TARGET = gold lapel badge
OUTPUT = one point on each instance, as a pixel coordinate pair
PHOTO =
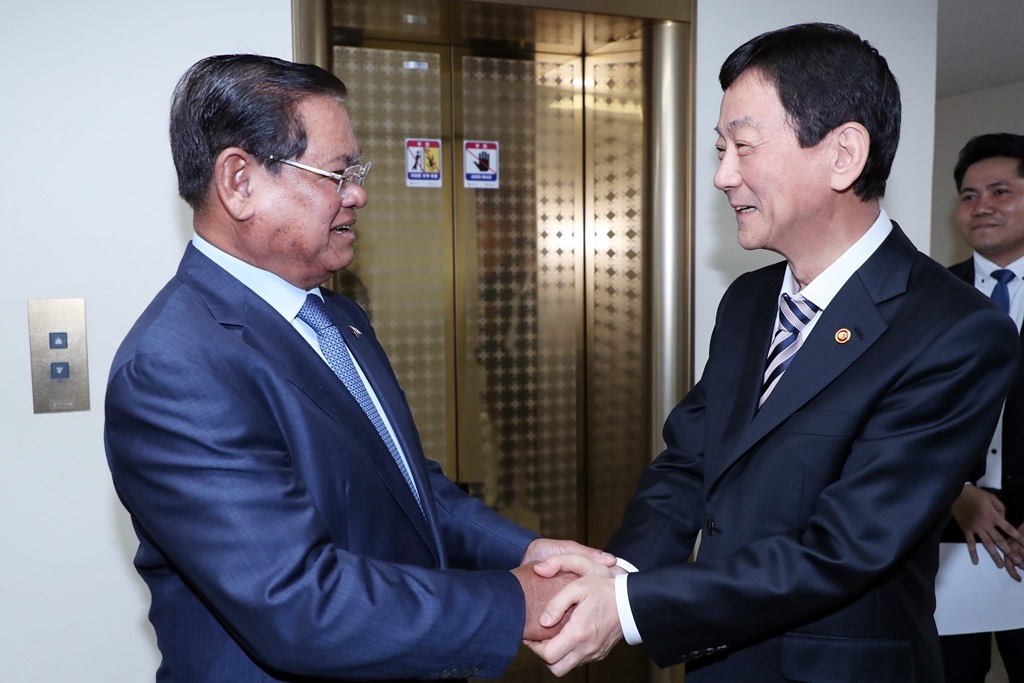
(843, 335)
(355, 331)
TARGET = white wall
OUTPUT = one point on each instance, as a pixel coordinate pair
(904, 33)
(89, 209)
(957, 120)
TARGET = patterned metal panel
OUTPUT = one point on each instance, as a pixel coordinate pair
(401, 273)
(514, 316)
(522, 316)
(538, 307)
(617, 382)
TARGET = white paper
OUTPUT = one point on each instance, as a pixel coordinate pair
(975, 599)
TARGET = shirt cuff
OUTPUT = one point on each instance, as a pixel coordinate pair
(626, 622)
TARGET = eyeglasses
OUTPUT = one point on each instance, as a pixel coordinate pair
(353, 174)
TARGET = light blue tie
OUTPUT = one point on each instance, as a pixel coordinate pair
(794, 314)
(1001, 293)
(314, 314)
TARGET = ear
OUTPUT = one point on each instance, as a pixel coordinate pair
(233, 179)
(851, 143)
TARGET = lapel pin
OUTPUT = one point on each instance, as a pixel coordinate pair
(360, 334)
(842, 335)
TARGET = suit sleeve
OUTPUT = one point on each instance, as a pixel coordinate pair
(475, 536)
(661, 522)
(897, 476)
(197, 459)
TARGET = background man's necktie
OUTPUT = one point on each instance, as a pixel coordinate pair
(1001, 293)
(794, 314)
(314, 314)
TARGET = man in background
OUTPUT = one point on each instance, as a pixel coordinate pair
(847, 393)
(989, 178)
(290, 526)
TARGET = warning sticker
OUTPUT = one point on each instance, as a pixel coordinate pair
(481, 163)
(422, 163)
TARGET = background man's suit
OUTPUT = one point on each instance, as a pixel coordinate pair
(967, 655)
(213, 396)
(820, 512)
(1013, 424)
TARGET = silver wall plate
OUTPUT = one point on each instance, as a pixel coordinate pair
(60, 359)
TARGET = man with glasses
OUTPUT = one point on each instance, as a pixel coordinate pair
(290, 526)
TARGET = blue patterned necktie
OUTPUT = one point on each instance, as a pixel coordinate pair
(314, 314)
(1001, 293)
(794, 314)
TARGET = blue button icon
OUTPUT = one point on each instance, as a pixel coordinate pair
(58, 340)
(60, 371)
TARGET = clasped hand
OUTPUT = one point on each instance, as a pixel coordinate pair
(580, 624)
(982, 517)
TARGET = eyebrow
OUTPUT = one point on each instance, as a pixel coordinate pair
(345, 160)
(987, 186)
(353, 160)
(738, 123)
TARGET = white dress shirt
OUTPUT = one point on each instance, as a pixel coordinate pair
(985, 283)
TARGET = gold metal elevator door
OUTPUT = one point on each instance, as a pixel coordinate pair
(514, 315)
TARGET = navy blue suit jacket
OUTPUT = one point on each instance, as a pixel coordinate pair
(821, 511)
(276, 534)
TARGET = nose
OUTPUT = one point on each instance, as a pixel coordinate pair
(982, 207)
(353, 196)
(727, 176)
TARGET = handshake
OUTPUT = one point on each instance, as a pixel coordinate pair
(571, 613)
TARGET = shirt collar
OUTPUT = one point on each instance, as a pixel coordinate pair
(821, 290)
(983, 268)
(283, 297)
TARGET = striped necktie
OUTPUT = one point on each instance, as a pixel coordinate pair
(794, 314)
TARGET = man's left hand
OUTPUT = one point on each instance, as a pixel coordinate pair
(543, 548)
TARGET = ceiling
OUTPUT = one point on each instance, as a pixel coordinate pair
(980, 45)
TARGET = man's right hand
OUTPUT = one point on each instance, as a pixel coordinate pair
(982, 516)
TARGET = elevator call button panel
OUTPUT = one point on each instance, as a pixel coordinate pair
(60, 361)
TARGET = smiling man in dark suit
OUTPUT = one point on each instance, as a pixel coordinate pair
(290, 527)
(848, 391)
(989, 177)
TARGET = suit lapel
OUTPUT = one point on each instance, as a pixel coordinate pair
(760, 312)
(234, 305)
(1013, 435)
(823, 357)
(388, 394)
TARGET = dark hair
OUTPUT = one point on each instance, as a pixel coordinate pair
(989, 146)
(826, 75)
(246, 101)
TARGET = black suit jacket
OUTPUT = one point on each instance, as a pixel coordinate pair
(821, 511)
(1013, 422)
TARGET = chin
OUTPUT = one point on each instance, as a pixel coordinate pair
(750, 242)
(339, 266)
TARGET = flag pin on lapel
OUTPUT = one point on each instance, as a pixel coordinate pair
(355, 331)
(842, 335)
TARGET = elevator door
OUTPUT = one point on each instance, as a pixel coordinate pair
(501, 255)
